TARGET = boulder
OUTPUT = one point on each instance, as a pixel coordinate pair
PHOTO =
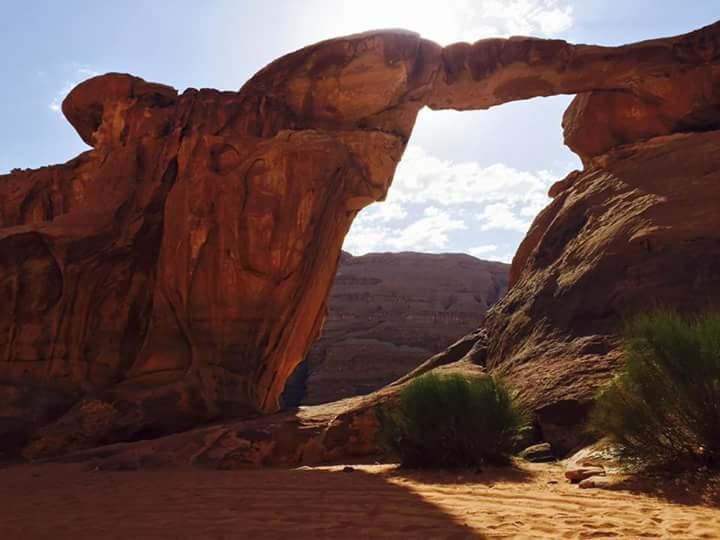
(597, 122)
(578, 474)
(603, 453)
(596, 482)
(527, 437)
(538, 453)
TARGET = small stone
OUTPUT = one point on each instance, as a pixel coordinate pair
(527, 436)
(538, 453)
(595, 482)
(348, 468)
(578, 474)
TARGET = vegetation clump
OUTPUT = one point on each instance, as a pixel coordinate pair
(451, 420)
(664, 405)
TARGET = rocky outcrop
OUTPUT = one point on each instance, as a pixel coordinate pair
(597, 122)
(389, 312)
(330, 432)
(178, 271)
(640, 230)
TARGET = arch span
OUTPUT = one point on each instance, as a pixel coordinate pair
(197, 241)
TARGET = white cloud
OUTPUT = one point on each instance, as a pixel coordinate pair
(369, 232)
(479, 251)
(440, 205)
(365, 238)
(490, 253)
(505, 258)
(501, 216)
(422, 178)
(429, 233)
(556, 20)
(80, 75)
(457, 20)
(524, 17)
(385, 211)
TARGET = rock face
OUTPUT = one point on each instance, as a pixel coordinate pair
(638, 230)
(389, 312)
(178, 271)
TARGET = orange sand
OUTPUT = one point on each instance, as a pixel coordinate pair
(374, 501)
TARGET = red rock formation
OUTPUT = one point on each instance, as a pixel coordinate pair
(166, 273)
(178, 271)
(314, 434)
(640, 230)
(597, 122)
(389, 312)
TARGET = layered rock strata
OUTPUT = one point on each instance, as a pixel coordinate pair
(388, 313)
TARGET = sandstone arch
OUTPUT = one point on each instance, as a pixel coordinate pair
(196, 242)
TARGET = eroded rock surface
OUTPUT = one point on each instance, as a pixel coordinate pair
(389, 312)
(330, 432)
(178, 271)
(639, 231)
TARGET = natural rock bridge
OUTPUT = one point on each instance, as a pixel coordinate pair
(178, 271)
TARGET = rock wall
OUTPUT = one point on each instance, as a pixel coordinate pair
(389, 312)
(179, 271)
(640, 230)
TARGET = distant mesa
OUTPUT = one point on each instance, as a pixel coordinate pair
(388, 313)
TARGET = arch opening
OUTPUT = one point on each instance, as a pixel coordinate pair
(421, 268)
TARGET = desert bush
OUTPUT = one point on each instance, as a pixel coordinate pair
(450, 420)
(664, 405)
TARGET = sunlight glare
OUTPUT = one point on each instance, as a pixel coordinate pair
(432, 19)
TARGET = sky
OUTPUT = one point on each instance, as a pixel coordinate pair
(469, 181)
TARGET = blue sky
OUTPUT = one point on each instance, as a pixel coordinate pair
(470, 182)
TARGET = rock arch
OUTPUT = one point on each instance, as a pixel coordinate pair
(195, 243)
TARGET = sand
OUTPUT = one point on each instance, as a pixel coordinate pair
(373, 501)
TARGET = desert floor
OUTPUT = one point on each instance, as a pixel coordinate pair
(373, 501)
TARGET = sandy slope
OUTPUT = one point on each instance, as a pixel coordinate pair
(69, 501)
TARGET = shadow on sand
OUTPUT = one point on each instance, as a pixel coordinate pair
(65, 501)
(696, 489)
(486, 475)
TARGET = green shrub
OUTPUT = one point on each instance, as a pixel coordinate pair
(450, 420)
(664, 406)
